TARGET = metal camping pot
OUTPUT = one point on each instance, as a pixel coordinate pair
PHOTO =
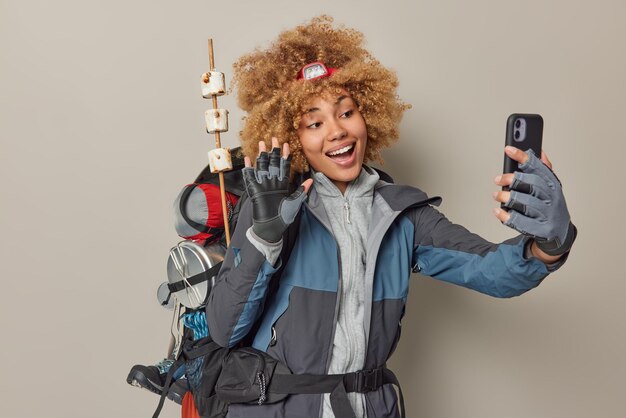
(192, 271)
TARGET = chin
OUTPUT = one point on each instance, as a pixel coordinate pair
(349, 175)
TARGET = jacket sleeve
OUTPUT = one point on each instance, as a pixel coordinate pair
(237, 299)
(449, 252)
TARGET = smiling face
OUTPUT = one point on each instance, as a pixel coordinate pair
(333, 135)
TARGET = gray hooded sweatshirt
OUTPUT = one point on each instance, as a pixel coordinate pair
(349, 216)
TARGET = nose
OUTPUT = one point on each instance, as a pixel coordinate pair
(336, 130)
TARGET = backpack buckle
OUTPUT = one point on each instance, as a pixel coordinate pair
(368, 380)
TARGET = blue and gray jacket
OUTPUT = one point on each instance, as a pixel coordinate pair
(296, 323)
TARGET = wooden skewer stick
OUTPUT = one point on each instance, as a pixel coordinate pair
(218, 144)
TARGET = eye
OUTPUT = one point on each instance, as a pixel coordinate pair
(314, 125)
(347, 114)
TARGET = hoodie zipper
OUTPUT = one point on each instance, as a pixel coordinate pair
(350, 333)
(346, 207)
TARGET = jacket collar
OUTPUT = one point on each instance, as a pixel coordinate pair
(401, 197)
(398, 198)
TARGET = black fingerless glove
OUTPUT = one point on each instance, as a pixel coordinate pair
(267, 185)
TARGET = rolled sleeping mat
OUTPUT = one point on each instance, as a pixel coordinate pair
(198, 214)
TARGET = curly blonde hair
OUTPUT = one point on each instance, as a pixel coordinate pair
(275, 101)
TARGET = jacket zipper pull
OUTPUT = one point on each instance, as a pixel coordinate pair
(261, 378)
(347, 208)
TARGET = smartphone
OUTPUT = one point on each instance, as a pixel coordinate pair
(523, 131)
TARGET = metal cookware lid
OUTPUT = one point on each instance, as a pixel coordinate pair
(187, 268)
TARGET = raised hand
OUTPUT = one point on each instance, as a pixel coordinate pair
(536, 203)
(267, 185)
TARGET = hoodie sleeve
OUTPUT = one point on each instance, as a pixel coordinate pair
(449, 252)
(237, 299)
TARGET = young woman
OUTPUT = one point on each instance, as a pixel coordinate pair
(324, 107)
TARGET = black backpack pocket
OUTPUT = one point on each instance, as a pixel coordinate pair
(203, 362)
(247, 375)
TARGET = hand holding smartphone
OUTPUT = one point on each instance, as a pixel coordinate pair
(523, 131)
(548, 224)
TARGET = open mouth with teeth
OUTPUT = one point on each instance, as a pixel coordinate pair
(342, 154)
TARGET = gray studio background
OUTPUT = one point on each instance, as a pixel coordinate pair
(101, 123)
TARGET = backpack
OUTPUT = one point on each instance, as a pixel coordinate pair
(199, 219)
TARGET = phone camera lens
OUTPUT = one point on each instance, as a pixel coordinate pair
(517, 134)
(518, 123)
